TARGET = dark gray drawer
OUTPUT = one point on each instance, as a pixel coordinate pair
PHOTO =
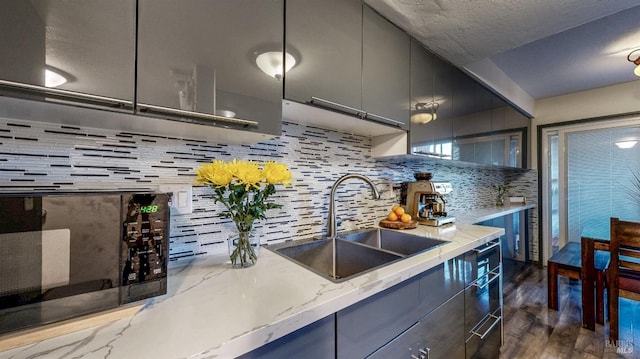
(440, 283)
(367, 325)
(439, 334)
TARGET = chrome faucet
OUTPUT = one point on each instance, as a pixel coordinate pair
(331, 225)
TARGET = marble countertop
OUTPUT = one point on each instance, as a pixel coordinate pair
(486, 213)
(214, 311)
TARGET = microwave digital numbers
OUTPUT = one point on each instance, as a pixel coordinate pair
(149, 209)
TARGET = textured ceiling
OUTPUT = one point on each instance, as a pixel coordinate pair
(547, 47)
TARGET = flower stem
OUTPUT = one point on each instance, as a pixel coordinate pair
(243, 250)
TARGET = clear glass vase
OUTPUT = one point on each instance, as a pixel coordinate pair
(244, 247)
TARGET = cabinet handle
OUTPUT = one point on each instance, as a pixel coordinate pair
(495, 273)
(496, 316)
(358, 112)
(142, 107)
(378, 118)
(101, 100)
(489, 246)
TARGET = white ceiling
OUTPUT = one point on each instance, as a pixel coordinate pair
(546, 47)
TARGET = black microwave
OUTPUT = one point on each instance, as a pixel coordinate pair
(64, 255)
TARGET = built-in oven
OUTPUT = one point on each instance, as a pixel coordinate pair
(64, 255)
(483, 301)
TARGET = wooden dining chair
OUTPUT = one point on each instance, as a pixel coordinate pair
(623, 276)
(594, 265)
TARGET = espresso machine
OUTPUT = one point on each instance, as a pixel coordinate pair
(424, 200)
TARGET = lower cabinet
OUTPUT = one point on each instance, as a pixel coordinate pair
(453, 310)
(315, 341)
(365, 326)
(440, 334)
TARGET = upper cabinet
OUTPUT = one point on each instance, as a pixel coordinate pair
(455, 117)
(197, 61)
(79, 51)
(386, 70)
(486, 129)
(325, 37)
(431, 104)
(348, 59)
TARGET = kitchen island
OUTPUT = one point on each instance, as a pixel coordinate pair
(212, 310)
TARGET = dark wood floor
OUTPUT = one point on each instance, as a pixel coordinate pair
(531, 330)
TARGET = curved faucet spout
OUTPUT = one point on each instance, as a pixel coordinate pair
(331, 225)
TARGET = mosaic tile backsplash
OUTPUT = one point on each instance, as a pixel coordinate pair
(51, 157)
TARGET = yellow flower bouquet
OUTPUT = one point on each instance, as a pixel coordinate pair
(243, 188)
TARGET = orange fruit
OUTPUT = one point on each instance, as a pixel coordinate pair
(405, 218)
(392, 216)
(399, 211)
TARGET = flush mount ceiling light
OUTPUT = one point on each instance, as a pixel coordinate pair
(425, 112)
(626, 144)
(636, 60)
(53, 78)
(271, 63)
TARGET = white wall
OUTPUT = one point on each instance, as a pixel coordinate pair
(604, 101)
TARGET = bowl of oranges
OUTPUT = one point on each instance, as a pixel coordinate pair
(398, 219)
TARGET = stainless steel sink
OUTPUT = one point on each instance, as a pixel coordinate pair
(398, 242)
(335, 259)
(354, 253)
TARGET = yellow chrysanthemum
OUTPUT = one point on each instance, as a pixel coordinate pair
(216, 173)
(276, 173)
(247, 173)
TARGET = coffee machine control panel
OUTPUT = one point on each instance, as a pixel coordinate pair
(442, 187)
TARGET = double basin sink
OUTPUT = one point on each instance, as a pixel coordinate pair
(353, 253)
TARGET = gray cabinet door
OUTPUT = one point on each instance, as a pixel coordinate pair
(326, 38)
(471, 106)
(439, 132)
(431, 104)
(440, 283)
(90, 44)
(200, 57)
(366, 326)
(486, 129)
(422, 133)
(315, 341)
(438, 335)
(386, 68)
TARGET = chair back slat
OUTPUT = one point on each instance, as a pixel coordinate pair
(628, 234)
(629, 252)
(630, 295)
(634, 266)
